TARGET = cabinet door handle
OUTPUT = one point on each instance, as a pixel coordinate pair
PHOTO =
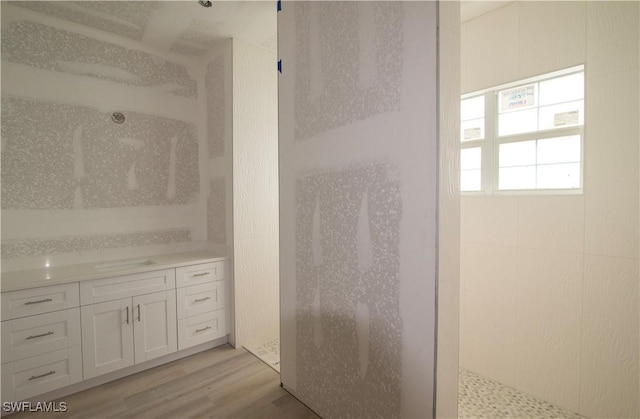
(138, 312)
(197, 300)
(39, 336)
(202, 274)
(203, 329)
(46, 300)
(35, 377)
(127, 314)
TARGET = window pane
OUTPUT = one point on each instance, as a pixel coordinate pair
(517, 154)
(521, 97)
(559, 176)
(549, 108)
(470, 180)
(472, 108)
(470, 158)
(559, 150)
(523, 177)
(562, 89)
(563, 115)
(472, 130)
(518, 122)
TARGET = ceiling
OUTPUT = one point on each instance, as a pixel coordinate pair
(184, 27)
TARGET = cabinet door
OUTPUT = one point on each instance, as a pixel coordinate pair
(155, 325)
(107, 337)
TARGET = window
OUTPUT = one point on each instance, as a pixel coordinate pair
(526, 136)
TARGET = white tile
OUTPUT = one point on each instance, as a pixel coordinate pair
(610, 373)
(611, 165)
(464, 59)
(449, 209)
(490, 48)
(492, 220)
(548, 310)
(551, 222)
(463, 217)
(255, 188)
(256, 289)
(612, 39)
(480, 397)
(489, 306)
(463, 304)
(611, 226)
(552, 36)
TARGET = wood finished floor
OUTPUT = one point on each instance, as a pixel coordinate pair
(218, 383)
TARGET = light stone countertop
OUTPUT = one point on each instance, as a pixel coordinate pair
(42, 277)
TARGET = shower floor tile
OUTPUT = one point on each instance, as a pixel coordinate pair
(268, 352)
(480, 397)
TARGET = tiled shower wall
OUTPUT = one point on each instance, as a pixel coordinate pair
(255, 194)
(550, 284)
(242, 137)
(449, 211)
(75, 185)
(358, 203)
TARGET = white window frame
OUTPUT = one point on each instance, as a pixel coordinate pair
(490, 144)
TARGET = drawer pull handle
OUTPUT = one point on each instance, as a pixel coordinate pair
(203, 329)
(39, 336)
(127, 314)
(35, 377)
(197, 300)
(202, 274)
(138, 312)
(46, 300)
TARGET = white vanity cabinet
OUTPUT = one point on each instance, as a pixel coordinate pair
(97, 325)
(118, 332)
(201, 303)
(40, 341)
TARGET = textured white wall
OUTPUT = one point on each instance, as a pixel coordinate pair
(449, 212)
(217, 110)
(76, 187)
(255, 194)
(358, 204)
(550, 284)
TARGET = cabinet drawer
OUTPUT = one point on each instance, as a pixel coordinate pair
(36, 335)
(199, 274)
(40, 374)
(200, 329)
(109, 289)
(199, 299)
(39, 300)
